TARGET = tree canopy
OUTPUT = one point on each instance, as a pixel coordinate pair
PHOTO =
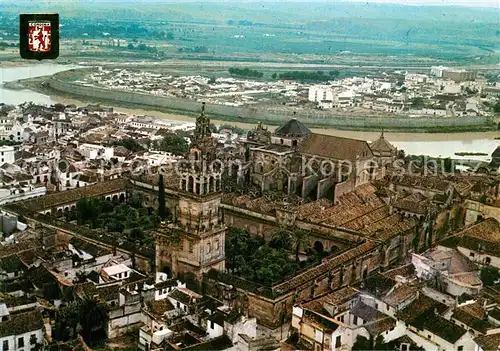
(306, 75)
(130, 144)
(245, 72)
(130, 219)
(489, 275)
(254, 259)
(87, 317)
(174, 144)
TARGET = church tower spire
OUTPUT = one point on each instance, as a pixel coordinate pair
(199, 225)
(201, 171)
(202, 130)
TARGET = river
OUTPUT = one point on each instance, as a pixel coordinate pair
(431, 144)
(9, 73)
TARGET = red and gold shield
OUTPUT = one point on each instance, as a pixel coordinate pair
(39, 34)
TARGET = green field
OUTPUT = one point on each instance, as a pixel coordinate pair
(353, 34)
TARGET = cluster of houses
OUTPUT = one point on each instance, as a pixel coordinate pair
(435, 302)
(46, 149)
(228, 91)
(376, 285)
(38, 267)
(452, 94)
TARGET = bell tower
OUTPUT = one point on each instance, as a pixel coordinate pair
(198, 228)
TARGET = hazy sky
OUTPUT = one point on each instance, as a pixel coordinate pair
(469, 3)
(472, 3)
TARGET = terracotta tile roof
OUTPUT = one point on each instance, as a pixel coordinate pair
(443, 328)
(88, 247)
(417, 311)
(21, 323)
(470, 279)
(414, 203)
(367, 219)
(458, 262)
(382, 145)
(401, 294)
(170, 179)
(341, 295)
(492, 292)
(380, 326)
(471, 321)
(483, 236)
(488, 342)
(487, 230)
(333, 147)
(351, 206)
(166, 284)
(306, 210)
(159, 308)
(423, 313)
(404, 271)
(366, 313)
(424, 182)
(323, 268)
(316, 305)
(474, 309)
(345, 214)
(75, 194)
(377, 285)
(390, 226)
(185, 296)
(317, 319)
(17, 248)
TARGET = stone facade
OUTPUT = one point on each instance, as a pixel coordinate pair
(197, 227)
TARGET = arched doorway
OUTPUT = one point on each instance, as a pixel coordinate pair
(122, 197)
(318, 246)
(168, 271)
(190, 183)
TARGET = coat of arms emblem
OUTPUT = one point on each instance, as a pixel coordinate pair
(39, 36)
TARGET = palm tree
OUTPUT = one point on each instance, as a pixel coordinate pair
(300, 239)
(236, 246)
(281, 239)
(93, 317)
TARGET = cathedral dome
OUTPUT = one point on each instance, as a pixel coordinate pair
(293, 128)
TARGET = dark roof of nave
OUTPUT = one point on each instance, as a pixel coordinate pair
(334, 147)
(292, 128)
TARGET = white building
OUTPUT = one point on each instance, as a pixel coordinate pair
(320, 93)
(93, 151)
(6, 154)
(438, 71)
(22, 331)
(416, 78)
(117, 272)
(14, 193)
(451, 268)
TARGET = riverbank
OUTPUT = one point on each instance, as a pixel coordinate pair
(250, 116)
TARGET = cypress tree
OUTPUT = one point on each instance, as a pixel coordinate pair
(161, 198)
